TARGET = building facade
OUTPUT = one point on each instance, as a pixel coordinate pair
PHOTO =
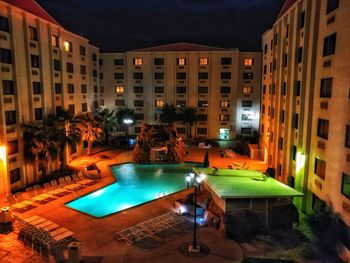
(305, 102)
(221, 84)
(43, 69)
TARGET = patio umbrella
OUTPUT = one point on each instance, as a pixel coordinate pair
(206, 160)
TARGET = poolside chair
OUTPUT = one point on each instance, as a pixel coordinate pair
(63, 184)
(79, 180)
(72, 185)
(20, 198)
(50, 190)
(40, 192)
(38, 198)
(11, 199)
(59, 188)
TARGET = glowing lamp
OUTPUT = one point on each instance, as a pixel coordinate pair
(300, 162)
(188, 178)
(66, 45)
(199, 180)
(127, 121)
(192, 175)
(3, 154)
(202, 176)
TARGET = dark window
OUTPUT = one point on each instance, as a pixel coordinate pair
(202, 117)
(8, 87)
(181, 103)
(70, 67)
(33, 33)
(275, 39)
(82, 50)
(274, 64)
(326, 88)
(248, 75)
(263, 108)
(296, 121)
(70, 88)
(38, 114)
(83, 88)
(345, 186)
(101, 75)
(100, 62)
(282, 116)
(138, 89)
(203, 75)
(118, 75)
(265, 69)
(280, 143)
(71, 109)
(284, 88)
(10, 117)
(225, 75)
(225, 90)
(158, 89)
(12, 147)
(297, 87)
(302, 19)
(264, 89)
(158, 75)
(181, 75)
(322, 128)
(287, 30)
(320, 168)
(285, 60)
(202, 103)
(273, 88)
(95, 104)
(294, 152)
(94, 57)
(35, 62)
(57, 88)
(159, 61)
(15, 175)
(329, 45)
(36, 88)
(138, 75)
(300, 55)
(201, 130)
(247, 103)
(226, 61)
(246, 130)
(139, 116)
(347, 136)
(181, 89)
(82, 69)
(4, 24)
(119, 103)
(55, 41)
(56, 65)
(59, 110)
(202, 89)
(102, 89)
(265, 49)
(138, 103)
(94, 73)
(95, 89)
(84, 107)
(5, 56)
(118, 62)
(332, 5)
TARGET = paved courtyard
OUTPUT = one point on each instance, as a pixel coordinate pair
(96, 235)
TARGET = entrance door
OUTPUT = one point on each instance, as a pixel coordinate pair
(224, 134)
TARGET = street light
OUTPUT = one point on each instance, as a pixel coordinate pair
(127, 122)
(194, 179)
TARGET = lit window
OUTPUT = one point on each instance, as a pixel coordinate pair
(224, 117)
(159, 103)
(33, 33)
(247, 90)
(203, 61)
(68, 46)
(138, 61)
(248, 62)
(181, 61)
(119, 89)
(225, 104)
(54, 41)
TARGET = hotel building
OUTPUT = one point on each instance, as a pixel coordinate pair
(43, 68)
(222, 84)
(305, 102)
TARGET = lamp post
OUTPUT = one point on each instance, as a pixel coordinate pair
(127, 122)
(194, 180)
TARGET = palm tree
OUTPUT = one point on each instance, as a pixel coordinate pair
(90, 128)
(168, 114)
(68, 133)
(189, 117)
(125, 114)
(109, 122)
(40, 144)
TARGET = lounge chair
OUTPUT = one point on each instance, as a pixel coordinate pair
(59, 188)
(79, 178)
(15, 204)
(40, 192)
(72, 185)
(64, 185)
(20, 198)
(50, 190)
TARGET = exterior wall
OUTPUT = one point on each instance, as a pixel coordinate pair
(21, 72)
(192, 82)
(301, 139)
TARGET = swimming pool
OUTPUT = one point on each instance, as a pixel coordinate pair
(136, 184)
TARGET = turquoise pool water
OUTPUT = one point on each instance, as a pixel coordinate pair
(136, 184)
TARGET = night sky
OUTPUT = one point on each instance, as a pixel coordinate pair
(120, 25)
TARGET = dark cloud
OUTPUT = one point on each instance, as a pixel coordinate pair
(127, 24)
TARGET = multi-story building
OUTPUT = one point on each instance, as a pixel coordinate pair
(43, 68)
(222, 84)
(305, 103)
